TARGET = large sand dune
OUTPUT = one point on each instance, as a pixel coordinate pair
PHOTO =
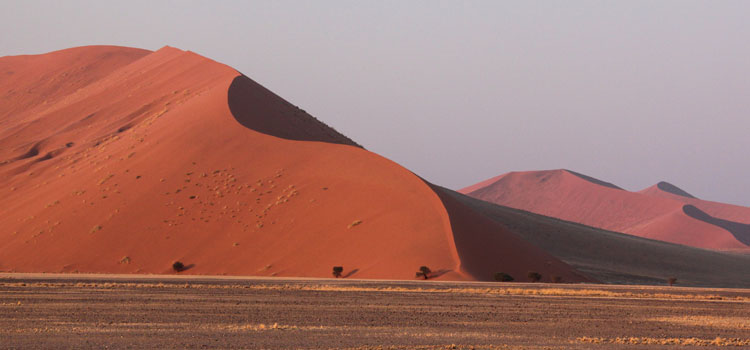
(663, 212)
(122, 160)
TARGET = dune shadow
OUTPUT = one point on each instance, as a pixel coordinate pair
(594, 180)
(485, 246)
(350, 273)
(439, 273)
(30, 153)
(740, 231)
(259, 109)
(669, 188)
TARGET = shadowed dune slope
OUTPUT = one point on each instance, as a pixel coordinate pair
(252, 104)
(487, 247)
(739, 230)
(145, 158)
(731, 212)
(669, 188)
(594, 180)
(573, 197)
(733, 218)
(612, 257)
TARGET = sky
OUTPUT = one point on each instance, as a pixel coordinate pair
(630, 92)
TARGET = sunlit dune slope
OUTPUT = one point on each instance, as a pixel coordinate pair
(123, 160)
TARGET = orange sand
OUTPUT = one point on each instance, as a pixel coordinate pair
(119, 160)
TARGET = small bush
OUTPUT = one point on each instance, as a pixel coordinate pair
(503, 277)
(178, 266)
(671, 281)
(557, 279)
(534, 276)
(424, 272)
(337, 270)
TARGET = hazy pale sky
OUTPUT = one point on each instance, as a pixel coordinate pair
(631, 92)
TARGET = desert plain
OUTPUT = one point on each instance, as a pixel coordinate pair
(176, 312)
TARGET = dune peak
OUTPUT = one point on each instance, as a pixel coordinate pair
(594, 180)
(668, 187)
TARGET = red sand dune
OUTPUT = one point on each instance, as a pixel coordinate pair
(654, 213)
(725, 211)
(122, 160)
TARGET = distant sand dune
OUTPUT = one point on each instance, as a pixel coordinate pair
(740, 231)
(657, 212)
(668, 187)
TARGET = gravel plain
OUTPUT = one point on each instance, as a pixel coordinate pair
(129, 312)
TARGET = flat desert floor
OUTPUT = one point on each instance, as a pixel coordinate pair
(150, 312)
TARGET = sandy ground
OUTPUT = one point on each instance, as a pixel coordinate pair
(120, 312)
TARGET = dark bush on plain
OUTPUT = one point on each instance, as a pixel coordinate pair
(337, 270)
(534, 276)
(503, 277)
(424, 272)
(178, 266)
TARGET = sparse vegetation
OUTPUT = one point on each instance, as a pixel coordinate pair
(178, 266)
(271, 327)
(718, 341)
(557, 279)
(604, 292)
(337, 270)
(503, 277)
(534, 276)
(424, 272)
(599, 293)
(713, 321)
(671, 281)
